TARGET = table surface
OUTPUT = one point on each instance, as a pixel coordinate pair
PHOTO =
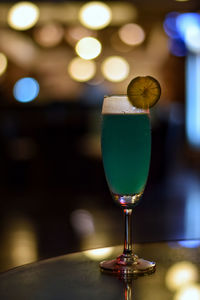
(77, 276)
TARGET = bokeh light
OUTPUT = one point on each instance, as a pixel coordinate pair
(188, 25)
(170, 25)
(23, 15)
(187, 22)
(24, 247)
(115, 68)
(26, 89)
(49, 35)
(74, 33)
(180, 274)
(132, 34)
(184, 31)
(3, 63)
(192, 40)
(95, 15)
(82, 222)
(81, 70)
(189, 292)
(88, 48)
(177, 47)
(21, 241)
(192, 79)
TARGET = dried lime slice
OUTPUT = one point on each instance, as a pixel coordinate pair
(144, 91)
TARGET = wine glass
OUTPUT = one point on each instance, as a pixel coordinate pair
(126, 152)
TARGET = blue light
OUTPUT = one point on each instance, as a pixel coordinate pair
(187, 22)
(192, 100)
(26, 89)
(177, 47)
(189, 243)
(191, 217)
(192, 40)
(170, 25)
(183, 28)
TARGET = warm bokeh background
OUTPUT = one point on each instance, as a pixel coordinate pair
(54, 197)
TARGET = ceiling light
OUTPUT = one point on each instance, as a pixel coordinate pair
(115, 68)
(132, 34)
(95, 15)
(23, 15)
(81, 70)
(88, 48)
(49, 35)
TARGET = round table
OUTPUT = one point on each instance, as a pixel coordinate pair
(77, 276)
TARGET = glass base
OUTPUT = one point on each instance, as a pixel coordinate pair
(132, 268)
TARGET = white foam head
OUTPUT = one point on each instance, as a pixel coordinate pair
(120, 105)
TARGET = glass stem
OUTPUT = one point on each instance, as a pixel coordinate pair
(128, 290)
(128, 232)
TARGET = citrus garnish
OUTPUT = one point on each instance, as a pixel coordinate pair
(144, 91)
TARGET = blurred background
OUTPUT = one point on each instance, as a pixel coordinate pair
(57, 60)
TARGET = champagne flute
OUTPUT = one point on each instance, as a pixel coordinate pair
(126, 152)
